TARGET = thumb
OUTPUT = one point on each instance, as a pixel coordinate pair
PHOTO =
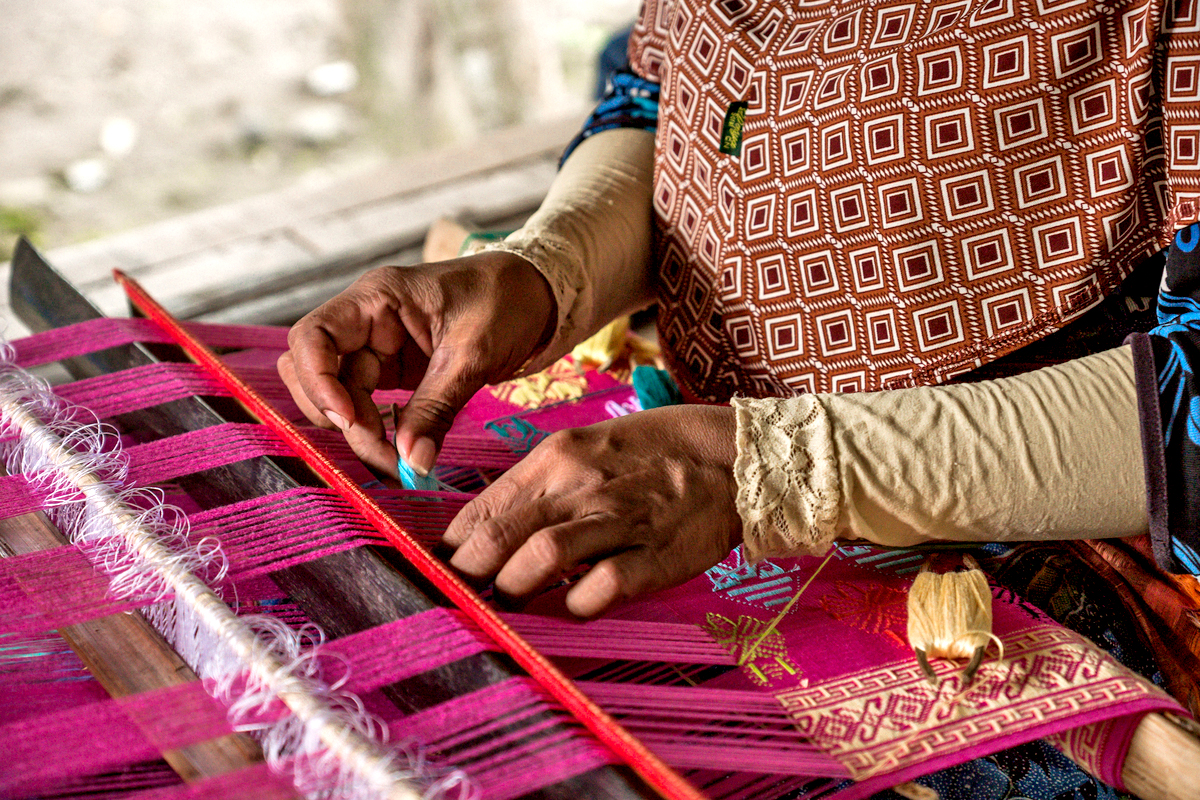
(451, 379)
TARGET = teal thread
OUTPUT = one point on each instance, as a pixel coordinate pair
(487, 237)
(655, 388)
(415, 482)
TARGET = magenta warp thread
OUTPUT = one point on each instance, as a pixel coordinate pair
(268, 533)
(500, 734)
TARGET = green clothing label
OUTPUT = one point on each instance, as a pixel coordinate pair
(731, 131)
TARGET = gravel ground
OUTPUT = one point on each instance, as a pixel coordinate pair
(116, 114)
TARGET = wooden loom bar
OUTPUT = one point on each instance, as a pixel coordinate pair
(344, 592)
(1163, 762)
(606, 729)
(128, 656)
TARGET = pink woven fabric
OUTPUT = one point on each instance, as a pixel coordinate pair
(839, 663)
(834, 692)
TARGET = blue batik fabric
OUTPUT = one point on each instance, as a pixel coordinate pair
(1166, 362)
(629, 102)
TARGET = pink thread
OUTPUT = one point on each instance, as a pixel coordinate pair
(504, 733)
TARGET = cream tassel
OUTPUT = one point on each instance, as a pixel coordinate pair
(950, 616)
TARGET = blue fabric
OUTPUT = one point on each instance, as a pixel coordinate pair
(1033, 770)
(630, 102)
(1175, 346)
(613, 58)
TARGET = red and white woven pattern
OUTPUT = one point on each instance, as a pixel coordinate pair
(922, 186)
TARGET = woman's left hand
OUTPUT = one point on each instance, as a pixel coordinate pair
(649, 497)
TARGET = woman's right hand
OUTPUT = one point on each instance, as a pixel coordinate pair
(443, 330)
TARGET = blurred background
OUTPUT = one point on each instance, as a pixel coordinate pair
(119, 113)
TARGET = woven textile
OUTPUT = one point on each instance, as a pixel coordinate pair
(921, 187)
(666, 664)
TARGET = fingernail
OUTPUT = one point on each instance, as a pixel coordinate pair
(337, 419)
(421, 456)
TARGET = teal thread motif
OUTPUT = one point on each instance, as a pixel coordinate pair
(727, 576)
(518, 434)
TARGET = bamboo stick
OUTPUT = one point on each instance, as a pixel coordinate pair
(1163, 762)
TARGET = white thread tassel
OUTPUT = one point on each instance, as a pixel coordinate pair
(328, 742)
(950, 616)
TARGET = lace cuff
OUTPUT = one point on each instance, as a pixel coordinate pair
(787, 476)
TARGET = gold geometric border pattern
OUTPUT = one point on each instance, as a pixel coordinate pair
(885, 718)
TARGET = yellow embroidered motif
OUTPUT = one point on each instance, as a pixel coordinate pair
(769, 660)
(559, 381)
(616, 349)
(604, 346)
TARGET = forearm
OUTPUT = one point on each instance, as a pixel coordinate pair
(590, 238)
(1052, 454)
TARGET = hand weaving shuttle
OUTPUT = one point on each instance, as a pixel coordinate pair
(786, 724)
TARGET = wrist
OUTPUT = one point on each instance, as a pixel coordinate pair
(532, 284)
(708, 435)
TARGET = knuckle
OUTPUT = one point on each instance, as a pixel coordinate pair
(374, 280)
(477, 510)
(498, 533)
(299, 332)
(464, 523)
(568, 441)
(285, 365)
(547, 547)
(612, 579)
(458, 367)
(434, 413)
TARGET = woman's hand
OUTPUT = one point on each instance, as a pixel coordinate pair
(443, 330)
(648, 497)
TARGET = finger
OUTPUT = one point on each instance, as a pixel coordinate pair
(626, 574)
(552, 551)
(361, 317)
(287, 372)
(316, 352)
(452, 378)
(511, 489)
(491, 501)
(494, 540)
(359, 374)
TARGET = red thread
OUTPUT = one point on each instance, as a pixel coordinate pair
(656, 773)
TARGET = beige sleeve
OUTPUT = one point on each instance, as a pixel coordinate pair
(1052, 454)
(590, 238)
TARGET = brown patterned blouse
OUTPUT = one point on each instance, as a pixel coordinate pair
(921, 186)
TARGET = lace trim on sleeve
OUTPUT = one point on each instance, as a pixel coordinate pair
(787, 477)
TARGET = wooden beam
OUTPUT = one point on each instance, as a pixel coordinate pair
(128, 656)
(1163, 762)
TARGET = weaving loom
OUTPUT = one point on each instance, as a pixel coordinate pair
(846, 719)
